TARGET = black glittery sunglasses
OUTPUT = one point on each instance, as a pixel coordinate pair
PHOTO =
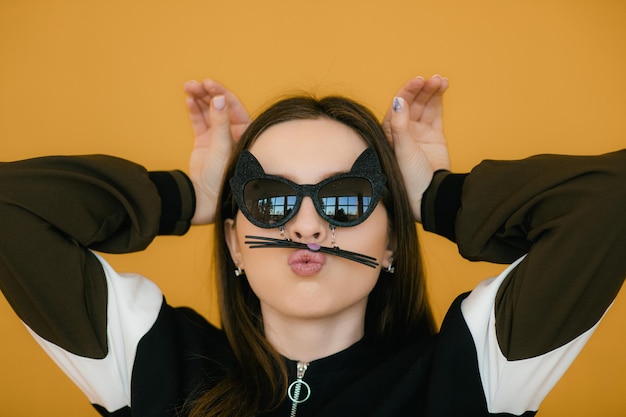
(343, 200)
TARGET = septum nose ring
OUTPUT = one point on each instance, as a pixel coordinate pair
(332, 227)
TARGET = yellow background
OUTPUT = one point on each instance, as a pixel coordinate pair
(526, 77)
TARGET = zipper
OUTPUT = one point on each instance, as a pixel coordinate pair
(295, 389)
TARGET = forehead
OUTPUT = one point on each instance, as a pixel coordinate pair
(307, 151)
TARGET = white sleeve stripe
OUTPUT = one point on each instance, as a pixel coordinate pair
(512, 386)
(134, 303)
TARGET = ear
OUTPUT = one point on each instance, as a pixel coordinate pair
(230, 235)
(387, 261)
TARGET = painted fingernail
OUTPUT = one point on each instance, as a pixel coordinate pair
(398, 104)
(219, 102)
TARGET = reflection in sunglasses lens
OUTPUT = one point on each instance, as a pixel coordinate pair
(269, 201)
(343, 200)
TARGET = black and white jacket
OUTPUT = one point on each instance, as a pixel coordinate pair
(558, 220)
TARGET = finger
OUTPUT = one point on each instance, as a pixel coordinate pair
(238, 112)
(198, 103)
(411, 89)
(415, 93)
(190, 87)
(431, 107)
(214, 88)
(407, 92)
(196, 116)
(422, 97)
(196, 90)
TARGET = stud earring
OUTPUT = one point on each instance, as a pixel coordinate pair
(239, 272)
(390, 268)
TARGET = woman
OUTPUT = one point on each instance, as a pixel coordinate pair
(321, 293)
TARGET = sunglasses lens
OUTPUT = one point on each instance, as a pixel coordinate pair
(269, 201)
(345, 200)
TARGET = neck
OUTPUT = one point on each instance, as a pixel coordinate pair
(308, 339)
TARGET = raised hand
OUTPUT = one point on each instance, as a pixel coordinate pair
(218, 119)
(414, 127)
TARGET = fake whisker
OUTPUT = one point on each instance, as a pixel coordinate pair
(264, 242)
(268, 242)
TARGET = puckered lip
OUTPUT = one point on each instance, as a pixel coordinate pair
(304, 262)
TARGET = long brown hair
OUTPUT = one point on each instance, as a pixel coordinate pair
(397, 306)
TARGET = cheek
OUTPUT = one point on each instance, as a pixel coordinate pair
(369, 238)
(256, 259)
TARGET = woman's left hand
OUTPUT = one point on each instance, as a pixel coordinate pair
(414, 127)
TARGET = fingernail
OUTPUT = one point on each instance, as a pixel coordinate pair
(219, 102)
(398, 104)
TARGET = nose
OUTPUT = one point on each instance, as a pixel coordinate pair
(307, 225)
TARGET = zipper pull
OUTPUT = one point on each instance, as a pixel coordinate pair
(294, 390)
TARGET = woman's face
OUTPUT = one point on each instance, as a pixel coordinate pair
(299, 284)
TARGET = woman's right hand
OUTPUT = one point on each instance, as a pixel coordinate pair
(218, 119)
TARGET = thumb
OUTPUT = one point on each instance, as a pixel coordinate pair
(399, 123)
(219, 119)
